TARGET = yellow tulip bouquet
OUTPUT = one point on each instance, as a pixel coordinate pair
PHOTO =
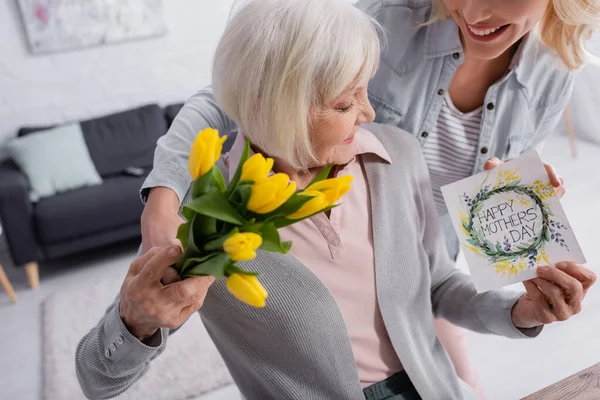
(229, 223)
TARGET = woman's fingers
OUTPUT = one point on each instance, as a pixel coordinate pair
(170, 276)
(191, 291)
(586, 276)
(155, 267)
(543, 312)
(492, 163)
(534, 292)
(136, 265)
(571, 288)
(557, 304)
(555, 180)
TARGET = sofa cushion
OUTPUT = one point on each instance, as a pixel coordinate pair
(118, 141)
(126, 139)
(54, 161)
(115, 203)
(171, 112)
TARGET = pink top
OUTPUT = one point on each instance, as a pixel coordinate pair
(339, 251)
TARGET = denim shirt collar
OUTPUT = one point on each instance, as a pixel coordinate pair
(442, 39)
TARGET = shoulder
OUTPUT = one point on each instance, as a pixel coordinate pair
(375, 7)
(401, 146)
(546, 78)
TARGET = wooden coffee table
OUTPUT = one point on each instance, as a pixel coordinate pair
(584, 385)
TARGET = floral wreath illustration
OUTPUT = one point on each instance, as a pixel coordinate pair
(506, 258)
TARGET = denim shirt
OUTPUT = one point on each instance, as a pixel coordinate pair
(416, 69)
(519, 111)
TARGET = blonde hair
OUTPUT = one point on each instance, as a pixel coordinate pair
(564, 28)
(278, 60)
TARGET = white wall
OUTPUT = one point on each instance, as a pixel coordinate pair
(585, 103)
(80, 84)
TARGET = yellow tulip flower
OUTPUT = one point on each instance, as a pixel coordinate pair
(205, 152)
(256, 168)
(242, 246)
(333, 189)
(270, 193)
(324, 194)
(313, 206)
(247, 289)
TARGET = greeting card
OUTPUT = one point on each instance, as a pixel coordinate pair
(509, 220)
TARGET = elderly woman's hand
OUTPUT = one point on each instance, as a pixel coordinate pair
(148, 302)
(556, 181)
(556, 295)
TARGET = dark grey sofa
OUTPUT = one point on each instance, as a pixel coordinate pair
(90, 217)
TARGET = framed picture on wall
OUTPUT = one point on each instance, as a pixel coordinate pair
(59, 25)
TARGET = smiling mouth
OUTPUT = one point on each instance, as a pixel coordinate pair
(486, 33)
(350, 139)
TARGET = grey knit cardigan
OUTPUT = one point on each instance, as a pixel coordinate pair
(298, 346)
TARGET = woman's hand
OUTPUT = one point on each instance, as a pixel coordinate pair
(146, 304)
(555, 179)
(160, 219)
(556, 295)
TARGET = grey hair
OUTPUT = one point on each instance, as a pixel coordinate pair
(278, 60)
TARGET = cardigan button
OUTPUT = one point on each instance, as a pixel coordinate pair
(491, 106)
(424, 134)
(484, 150)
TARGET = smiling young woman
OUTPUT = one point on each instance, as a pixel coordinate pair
(564, 26)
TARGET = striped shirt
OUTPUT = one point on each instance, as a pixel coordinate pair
(451, 148)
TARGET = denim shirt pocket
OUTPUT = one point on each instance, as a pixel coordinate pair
(385, 113)
(517, 145)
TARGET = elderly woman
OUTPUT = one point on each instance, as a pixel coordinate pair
(349, 313)
(475, 81)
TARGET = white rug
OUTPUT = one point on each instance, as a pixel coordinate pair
(190, 366)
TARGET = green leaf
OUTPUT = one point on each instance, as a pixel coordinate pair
(322, 176)
(473, 242)
(212, 181)
(218, 179)
(271, 240)
(216, 205)
(213, 265)
(286, 246)
(188, 214)
(478, 208)
(282, 223)
(185, 262)
(238, 172)
(465, 226)
(291, 206)
(202, 227)
(252, 226)
(234, 269)
(488, 244)
(217, 244)
(183, 233)
(244, 191)
(190, 261)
